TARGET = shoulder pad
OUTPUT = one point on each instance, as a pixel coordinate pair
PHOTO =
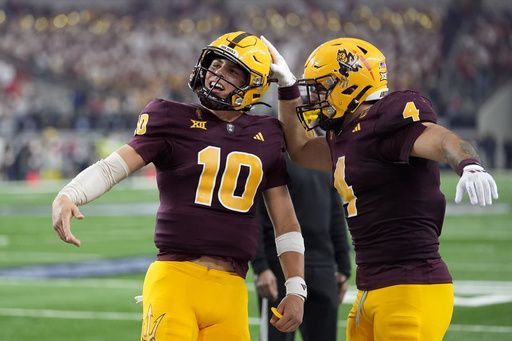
(402, 108)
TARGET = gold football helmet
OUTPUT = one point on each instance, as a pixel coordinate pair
(338, 76)
(250, 54)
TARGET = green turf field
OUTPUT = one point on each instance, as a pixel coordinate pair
(476, 243)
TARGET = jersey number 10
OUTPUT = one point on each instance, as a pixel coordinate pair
(210, 158)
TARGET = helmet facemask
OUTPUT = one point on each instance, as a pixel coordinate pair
(316, 110)
(205, 92)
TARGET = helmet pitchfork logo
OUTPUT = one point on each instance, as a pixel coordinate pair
(348, 62)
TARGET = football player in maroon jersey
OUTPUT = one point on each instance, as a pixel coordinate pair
(213, 162)
(383, 151)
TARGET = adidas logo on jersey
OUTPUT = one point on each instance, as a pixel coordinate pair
(259, 136)
(357, 128)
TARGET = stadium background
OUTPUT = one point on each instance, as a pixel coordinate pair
(75, 74)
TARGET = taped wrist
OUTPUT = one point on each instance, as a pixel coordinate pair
(290, 241)
(96, 180)
(296, 286)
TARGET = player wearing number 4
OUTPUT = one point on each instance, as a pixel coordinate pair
(383, 150)
(213, 163)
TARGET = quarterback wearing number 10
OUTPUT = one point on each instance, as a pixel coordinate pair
(213, 162)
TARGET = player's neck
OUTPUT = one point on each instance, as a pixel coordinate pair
(227, 116)
(360, 111)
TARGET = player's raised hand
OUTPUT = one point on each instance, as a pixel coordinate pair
(63, 209)
(279, 67)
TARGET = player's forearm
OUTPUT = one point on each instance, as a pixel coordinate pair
(292, 264)
(456, 150)
(290, 249)
(96, 180)
(295, 134)
(440, 144)
(305, 149)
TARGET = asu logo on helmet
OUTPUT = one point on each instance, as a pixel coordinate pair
(347, 62)
(249, 53)
(338, 76)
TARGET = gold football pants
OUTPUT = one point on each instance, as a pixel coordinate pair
(184, 301)
(401, 312)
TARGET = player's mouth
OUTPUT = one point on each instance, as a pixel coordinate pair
(216, 87)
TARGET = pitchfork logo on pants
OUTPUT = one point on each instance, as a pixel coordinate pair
(150, 332)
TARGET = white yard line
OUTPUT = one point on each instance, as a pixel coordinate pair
(465, 209)
(74, 283)
(253, 321)
(463, 328)
(475, 293)
(467, 293)
(49, 256)
(67, 314)
(480, 329)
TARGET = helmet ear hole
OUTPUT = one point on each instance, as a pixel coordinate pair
(363, 50)
(349, 90)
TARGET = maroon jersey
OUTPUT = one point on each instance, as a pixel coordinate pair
(210, 174)
(393, 202)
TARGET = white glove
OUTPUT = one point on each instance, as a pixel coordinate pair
(138, 299)
(279, 67)
(478, 184)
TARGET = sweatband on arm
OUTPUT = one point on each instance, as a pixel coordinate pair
(296, 286)
(290, 241)
(96, 180)
(288, 92)
(464, 163)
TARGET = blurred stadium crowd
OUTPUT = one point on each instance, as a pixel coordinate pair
(72, 81)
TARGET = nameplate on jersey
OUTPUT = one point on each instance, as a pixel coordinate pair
(198, 124)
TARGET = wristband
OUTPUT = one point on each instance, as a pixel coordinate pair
(287, 93)
(296, 286)
(464, 163)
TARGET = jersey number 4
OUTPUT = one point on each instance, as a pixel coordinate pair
(210, 158)
(344, 189)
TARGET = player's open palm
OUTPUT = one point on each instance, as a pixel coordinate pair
(63, 209)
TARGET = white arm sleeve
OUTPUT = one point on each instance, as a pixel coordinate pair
(96, 180)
